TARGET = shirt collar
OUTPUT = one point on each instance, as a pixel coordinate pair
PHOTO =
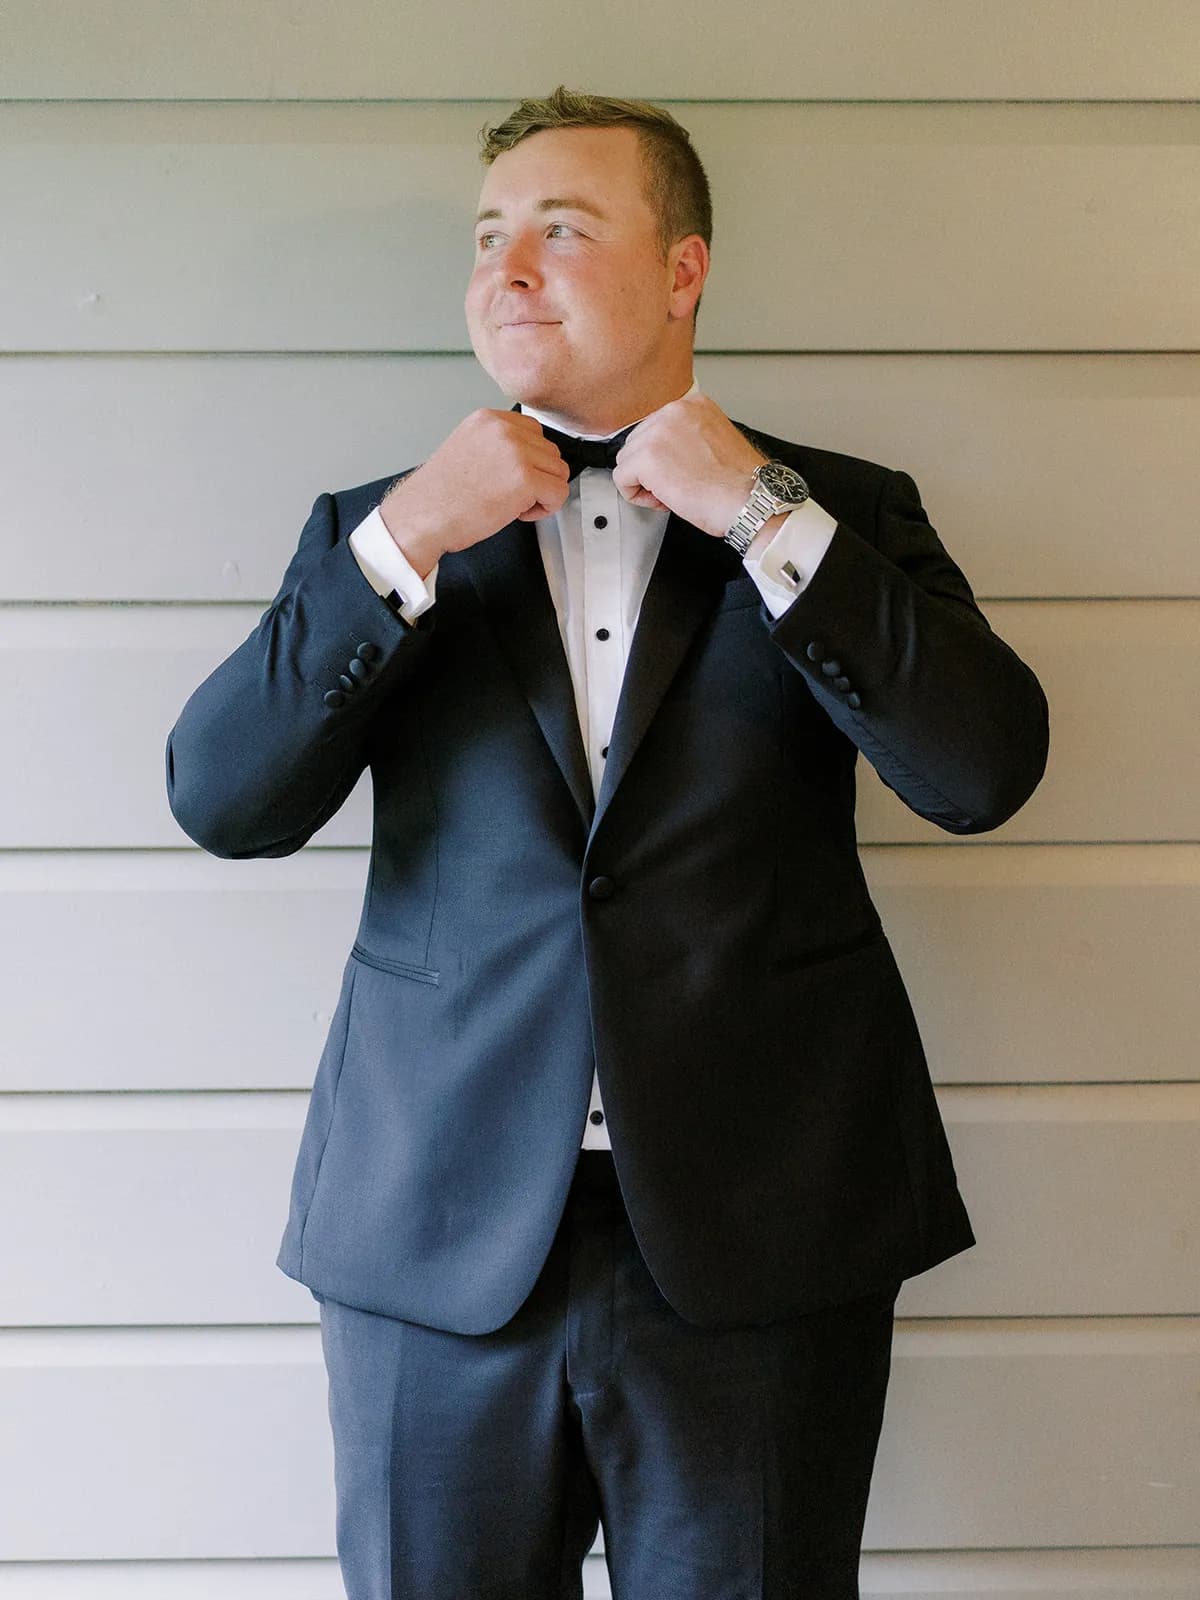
(548, 421)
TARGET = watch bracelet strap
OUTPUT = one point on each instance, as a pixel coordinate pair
(751, 519)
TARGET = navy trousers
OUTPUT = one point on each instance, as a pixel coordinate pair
(729, 1464)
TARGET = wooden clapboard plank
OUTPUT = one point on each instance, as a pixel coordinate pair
(149, 1444)
(167, 1208)
(1042, 49)
(1082, 1200)
(96, 692)
(1144, 1574)
(153, 1444)
(1046, 475)
(171, 969)
(1164, 1573)
(1024, 1436)
(349, 227)
(154, 1209)
(1041, 963)
(187, 972)
(93, 693)
(1122, 765)
(311, 1578)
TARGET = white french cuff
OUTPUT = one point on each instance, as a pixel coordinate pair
(386, 568)
(783, 564)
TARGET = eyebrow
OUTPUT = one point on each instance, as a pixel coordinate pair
(570, 202)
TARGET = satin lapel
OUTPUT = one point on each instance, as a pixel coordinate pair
(685, 586)
(510, 579)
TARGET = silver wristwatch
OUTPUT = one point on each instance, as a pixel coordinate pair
(776, 488)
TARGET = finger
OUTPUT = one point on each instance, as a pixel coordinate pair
(533, 437)
(626, 481)
(636, 493)
(536, 511)
(550, 458)
(553, 482)
(551, 493)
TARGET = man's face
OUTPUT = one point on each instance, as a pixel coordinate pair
(569, 306)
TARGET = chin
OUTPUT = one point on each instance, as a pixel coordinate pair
(531, 389)
(533, 381)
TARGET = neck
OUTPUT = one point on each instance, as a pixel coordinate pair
(601, 422)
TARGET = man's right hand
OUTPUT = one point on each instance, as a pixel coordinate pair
(494, 467)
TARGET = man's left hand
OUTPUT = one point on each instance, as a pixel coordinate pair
(688, 457)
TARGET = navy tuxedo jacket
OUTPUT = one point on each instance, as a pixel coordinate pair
(702, 932)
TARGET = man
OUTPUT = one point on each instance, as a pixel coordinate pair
(622, 1140)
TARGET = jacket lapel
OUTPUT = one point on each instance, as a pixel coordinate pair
(685, 585)
(509, 578)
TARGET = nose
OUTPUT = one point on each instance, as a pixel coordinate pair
(517, 265)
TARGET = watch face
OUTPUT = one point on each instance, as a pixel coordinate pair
(785, 483)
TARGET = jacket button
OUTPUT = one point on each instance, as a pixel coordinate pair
(601, 888)
(335, 698)
(815, 650)
(841, 684)
(367, 651)
(358, 669)
(831, 668)
(853, 699)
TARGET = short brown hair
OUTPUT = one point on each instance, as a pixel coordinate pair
(674, 182)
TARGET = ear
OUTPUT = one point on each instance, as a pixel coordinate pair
(690, 263)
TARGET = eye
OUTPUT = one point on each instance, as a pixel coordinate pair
(482, 241)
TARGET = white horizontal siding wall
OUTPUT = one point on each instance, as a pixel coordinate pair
(233, 251)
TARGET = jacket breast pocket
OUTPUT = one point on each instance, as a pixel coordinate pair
(403, 969)
(402, 1007)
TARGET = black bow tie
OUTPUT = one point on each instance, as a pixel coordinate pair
(580, 453)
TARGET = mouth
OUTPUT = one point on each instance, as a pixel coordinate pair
(528, 324)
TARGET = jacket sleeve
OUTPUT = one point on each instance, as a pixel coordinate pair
(266, 750)
(892, 644)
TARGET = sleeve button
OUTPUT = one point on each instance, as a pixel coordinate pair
(335, 698)
(358, 668)
(854, 699)
(841, 684)
(347, 683)
(831, 668)
(367, 651)
(815, 650)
